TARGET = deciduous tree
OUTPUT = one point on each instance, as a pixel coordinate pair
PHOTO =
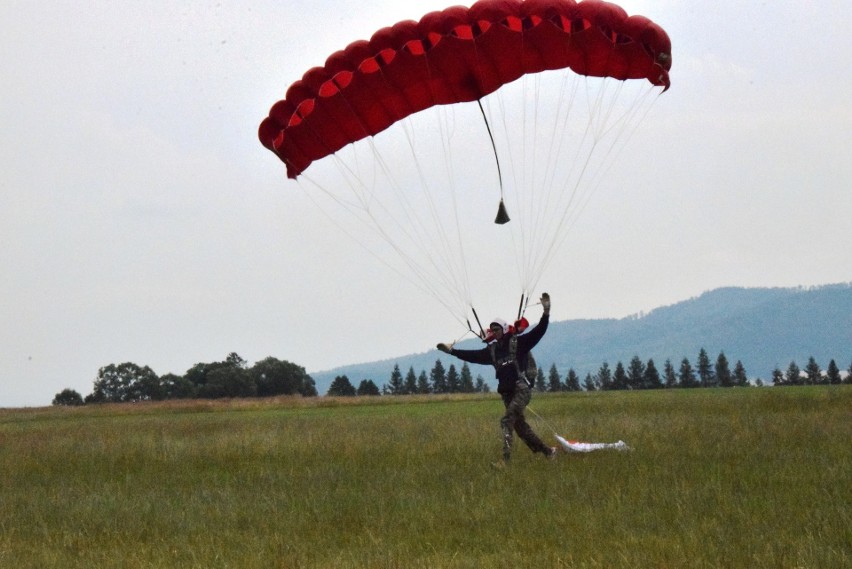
(280, 377)
(68, 397)
(126, 382)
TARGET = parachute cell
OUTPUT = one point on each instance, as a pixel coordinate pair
(453, 56)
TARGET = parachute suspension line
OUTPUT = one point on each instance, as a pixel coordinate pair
(502, 214)
(464, 285)
(448, 280)
(364, 210)
(621, 128)
(440, 259)
(419, 284)
(546, 424)
(554, 197)
(457, 263)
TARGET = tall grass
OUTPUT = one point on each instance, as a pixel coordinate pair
(717, 478)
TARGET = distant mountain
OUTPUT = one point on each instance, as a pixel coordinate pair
(764, 328)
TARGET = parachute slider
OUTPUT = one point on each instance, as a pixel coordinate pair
(502, 214)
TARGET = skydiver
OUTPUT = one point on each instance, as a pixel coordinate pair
(509, 354)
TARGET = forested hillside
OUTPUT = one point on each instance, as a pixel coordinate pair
(764, 328)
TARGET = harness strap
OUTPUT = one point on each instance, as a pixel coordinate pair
(513, 354)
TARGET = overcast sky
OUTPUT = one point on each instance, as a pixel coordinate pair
(142, 220)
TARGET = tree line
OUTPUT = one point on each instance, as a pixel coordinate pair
(439, 380)
(232, 377)
(638, 374)
(811, 375)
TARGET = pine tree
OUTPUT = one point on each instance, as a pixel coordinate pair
(686, 377)
(740, 376)
(438, 377)
(589, 384)
(635, 373)
(848, 378)
(832, 374)
(669, 373)
(813, 373)
(603, 381)
(453, 380)
(723, 372)
(423, 387)
(481, 386)
(341, 386)
(367, 387)
(554, 383)
(619, 377)
(466, 384)
(778, 377)
(395, 384)
(572, 381)
(410, 385)
(705, 372)
(793, 377)
(540, 383)
(651, 377)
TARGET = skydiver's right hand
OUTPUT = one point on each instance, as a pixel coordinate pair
(445, 348)
(545, 302)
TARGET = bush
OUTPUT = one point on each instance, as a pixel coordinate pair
(68, 397)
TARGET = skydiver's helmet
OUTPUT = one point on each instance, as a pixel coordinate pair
(517, 328)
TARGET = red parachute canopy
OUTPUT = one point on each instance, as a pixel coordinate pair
(456, 55)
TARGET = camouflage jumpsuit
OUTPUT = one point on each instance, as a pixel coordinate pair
(509, 356)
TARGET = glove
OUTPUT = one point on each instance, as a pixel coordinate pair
(445, 348)
(545, 302)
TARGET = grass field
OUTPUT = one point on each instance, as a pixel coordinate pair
(751, 478)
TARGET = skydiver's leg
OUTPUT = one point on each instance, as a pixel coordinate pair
(522, 398)
(506, 425)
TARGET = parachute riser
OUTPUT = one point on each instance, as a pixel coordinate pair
(478, 323)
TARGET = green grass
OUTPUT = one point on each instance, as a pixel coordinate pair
(717, 478)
